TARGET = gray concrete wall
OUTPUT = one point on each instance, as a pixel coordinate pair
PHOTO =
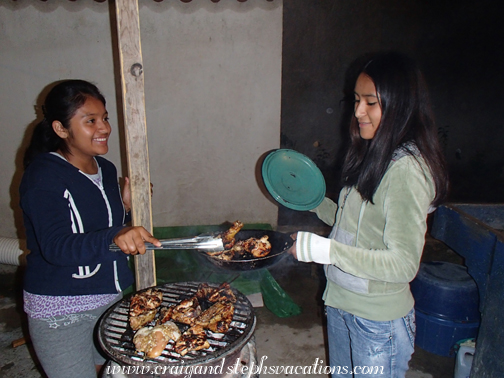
(213, 75)
(213, 87)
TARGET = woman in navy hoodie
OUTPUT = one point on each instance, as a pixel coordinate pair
(73, 210)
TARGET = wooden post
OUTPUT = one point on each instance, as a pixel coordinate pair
(132, 81)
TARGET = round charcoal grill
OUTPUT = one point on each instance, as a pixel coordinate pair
(116, 337)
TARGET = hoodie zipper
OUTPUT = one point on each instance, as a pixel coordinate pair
(99, 185)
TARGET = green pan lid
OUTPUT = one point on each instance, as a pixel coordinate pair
(293, 179)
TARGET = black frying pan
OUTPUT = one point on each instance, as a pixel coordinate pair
(280, 242)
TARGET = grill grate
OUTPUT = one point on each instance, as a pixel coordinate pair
(116, 336)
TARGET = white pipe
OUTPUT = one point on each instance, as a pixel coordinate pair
(10, 253)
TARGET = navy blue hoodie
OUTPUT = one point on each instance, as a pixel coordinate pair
(70, 223)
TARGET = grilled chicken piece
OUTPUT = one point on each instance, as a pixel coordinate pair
(165, 314)
(204, 291)
(223, 255)
(137, 322)
(192, 339)
(237, 250)
(258, 247)
(213, 294)
(153, 340)
(186, 311)
(228, 237)
(143, 307)
(223, 293)
(144, 301)
(216, 318)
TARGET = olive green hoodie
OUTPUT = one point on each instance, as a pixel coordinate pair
(374, 250)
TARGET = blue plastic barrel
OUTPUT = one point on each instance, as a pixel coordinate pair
(439, 336)
(447, 291)
(446, 305)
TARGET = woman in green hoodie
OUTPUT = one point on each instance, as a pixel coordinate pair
(394, 175)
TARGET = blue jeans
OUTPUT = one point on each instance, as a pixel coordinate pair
(369, 348)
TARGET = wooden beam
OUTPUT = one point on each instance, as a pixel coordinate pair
(133, 96)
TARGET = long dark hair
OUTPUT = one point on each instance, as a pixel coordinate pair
(60, 104)
(406, 117)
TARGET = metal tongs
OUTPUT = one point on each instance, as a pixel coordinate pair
(207, 242)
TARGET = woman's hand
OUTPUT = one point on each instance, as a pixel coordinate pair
(126, 195)
(292, 250)
(131, 240)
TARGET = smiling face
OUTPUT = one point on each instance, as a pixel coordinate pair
(87, 135)
(367, 106)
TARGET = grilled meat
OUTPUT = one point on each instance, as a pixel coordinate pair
(213, 294)
(226, 255)
(258, 247)
(238, 249)
(137, 322)
(186, 311)
(146, 300)
(192, 339)
(216, 318)
(222, 293)
(228, 237)
(165, 314)
(204, 291)
(143, 307)
(153, 340)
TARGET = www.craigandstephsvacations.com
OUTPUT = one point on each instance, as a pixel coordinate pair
(237, 367)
